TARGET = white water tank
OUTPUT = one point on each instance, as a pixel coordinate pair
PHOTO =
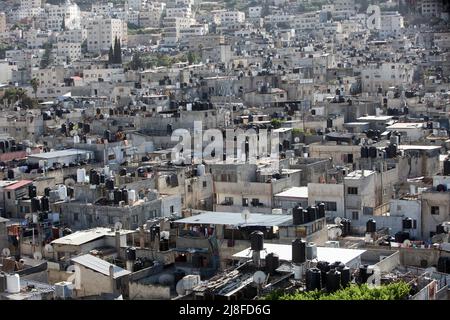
(191, 281)
(131, 196)
(201, 170)
(41, 164)
(76, 139)
(62, 189)
(277, 211)
(88, 141)
(106, 170)
(13, 283)
(81, 175)
(298, 272)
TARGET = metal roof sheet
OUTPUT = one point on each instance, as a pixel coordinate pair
(99, 265)
(235, 219)
(85, 236)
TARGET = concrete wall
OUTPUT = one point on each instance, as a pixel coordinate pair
(389, 263)
(148, 292)
(88, 282)
(329, 193)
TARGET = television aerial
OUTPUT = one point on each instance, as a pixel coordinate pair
(6, 252)
(245, 215)
(118, 226)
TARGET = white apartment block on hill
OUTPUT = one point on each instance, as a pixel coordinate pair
(101, 33)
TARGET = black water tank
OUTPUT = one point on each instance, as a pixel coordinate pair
(109, 184)
(32, 191)
(123, 172)
(372, 152)
(164, 245)
(257, 241)
(35, 204)
(125, 195)
(401, 236)
(45, 204)
(2, 282)
(407, 223)
(130, 253)
(443, 264)
(313, 279)
(311, 214)
(333, 280)
(447, 167)
(324, 267)
(117, 196)
(345, 276)
(364, 152)
(47, 191)
(321, 210)
(371, 225)
(363, 274)
(345, 227)
(440, 229)
(298, 251)
(337, 265)
(102, 178)
(272, 263)
(297, 216)
(95, 178)
(10, 174)
(305, 216)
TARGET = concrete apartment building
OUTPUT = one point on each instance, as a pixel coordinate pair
(101, 33)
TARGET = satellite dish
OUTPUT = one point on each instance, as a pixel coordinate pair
(407, 243)
(69, 182)
(245, 214)
(180, 288)
(259, 277)
(37, 255)
(118, 226)
(70, 269)
(338, 232)
(48, 248)
(338, 220)
(296, 139)
(6, 252)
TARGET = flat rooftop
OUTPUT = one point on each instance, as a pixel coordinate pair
(100, 265)
(412, 147)
(358, 174)
(284, 252)
(235, 219)
(405, 125)
(59, 153)
(374, 118)
(294, 192)
(81, 237)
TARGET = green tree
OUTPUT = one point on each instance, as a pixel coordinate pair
(117, 51)
(193, 57)
(136, 62)
(46, 57)
(111, 55)
(276, 123)
(35, 84)
(63, 23)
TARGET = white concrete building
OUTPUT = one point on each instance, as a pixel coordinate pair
(230, 17)
(101, 33)
(69, 50)
(184, 12)
(2, 23)
(254, 12)
(330, 194)
(391, 24)
(385, 75)
(6, 70)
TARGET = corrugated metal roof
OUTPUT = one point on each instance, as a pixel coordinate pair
(85, 236)
(294, 192)
(20, 184)
(99, 265)
(235, 219)
(59, 153)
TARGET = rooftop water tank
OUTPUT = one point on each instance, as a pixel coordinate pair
(131, 196)
(311, 251)
(407, 223)
(3, 286)
(201, 170)
(371, 226)
(130, 253)
(45, 206)
(62, 192)
(81, 175)
(32, 191)
(298, 217)
(321, 210)
(333, 280)
(35, 204)
(13, 283)
(298, 251)
(257, 241)
(313, 279)
(272, 263)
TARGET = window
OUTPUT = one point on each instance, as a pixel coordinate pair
(172, 209)
(329, 206)
(352, 190)
(189, 188)
(229, 201)
(75, 216)
(245, 202)
(355, 215)
(435, 210)
(135, 218)
(9, 195)
(205, 184)
(255, 202)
